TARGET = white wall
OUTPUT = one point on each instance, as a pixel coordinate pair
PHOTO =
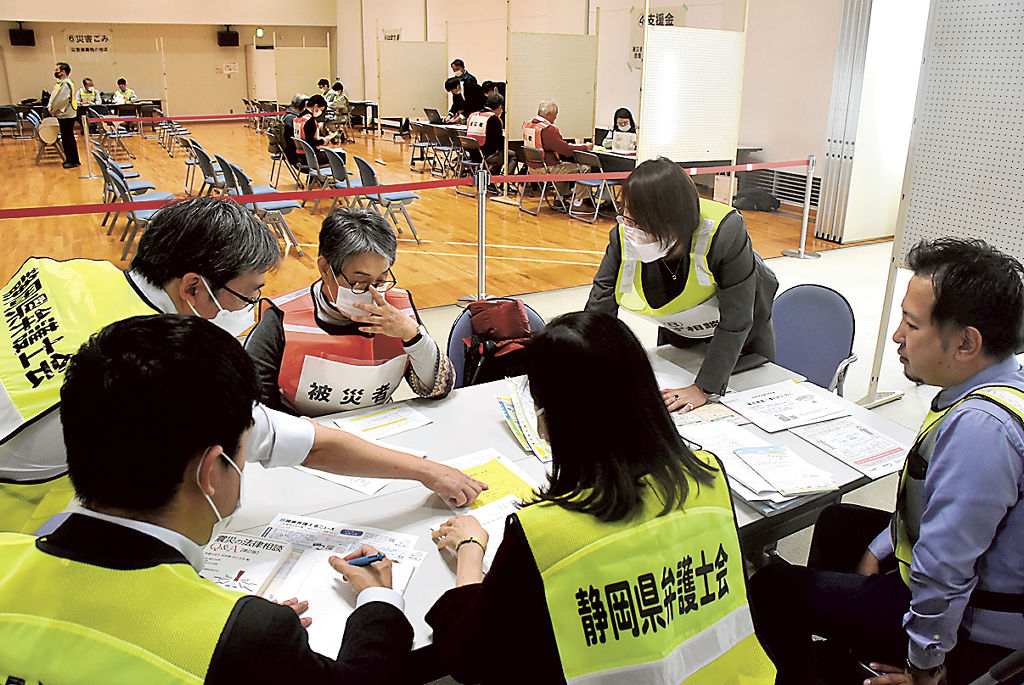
(296, 13)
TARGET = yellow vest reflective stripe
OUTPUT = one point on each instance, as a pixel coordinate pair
(50, 309)
(85, 97)
(700, 287)
(63, 621)
(24, 507)
(654, 599)
(905, 529)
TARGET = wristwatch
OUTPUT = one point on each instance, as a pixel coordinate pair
(925, 672)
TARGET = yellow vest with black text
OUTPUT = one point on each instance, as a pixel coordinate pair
(905, 529)
(694, 312)
(653, 599)
(67, 622)
(50, 309)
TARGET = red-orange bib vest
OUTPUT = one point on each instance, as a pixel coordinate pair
(531, 132)
(476, 126)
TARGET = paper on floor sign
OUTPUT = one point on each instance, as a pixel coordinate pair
(509, 412)
(708, 413)
(508, 486)
(723, 439)
(382, 421)
(786, 471)
(853, 443)
(779, 406)
(526, 416)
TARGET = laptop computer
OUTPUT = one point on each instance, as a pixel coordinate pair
(623, 142)
(433, 116)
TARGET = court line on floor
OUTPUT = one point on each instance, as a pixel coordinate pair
(509, 259)
(507, 247)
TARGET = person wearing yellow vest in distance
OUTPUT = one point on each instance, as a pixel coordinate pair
(124, 95)
(113, 594)
(623, 124)
(62, 104)
(325, 88)
(626, 567)
(203, 257)
(687, 264)
(938, 595)
(487, 129)
(348, 340)
(87, 95)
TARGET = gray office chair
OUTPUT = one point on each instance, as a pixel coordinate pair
(814, 328)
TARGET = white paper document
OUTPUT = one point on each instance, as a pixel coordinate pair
(363, 484)
(784, 405)
(382, 421)
(712, 412)
(526, 417)
(723, 439)
(853, 443)
(786, 471)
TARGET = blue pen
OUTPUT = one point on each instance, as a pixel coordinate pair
(366, 561)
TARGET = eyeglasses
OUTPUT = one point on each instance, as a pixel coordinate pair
(626, 221)
(360, 287)
(243, 298)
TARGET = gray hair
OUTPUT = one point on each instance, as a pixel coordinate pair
(349, 232)
(299, 102)
(215, 238)
(546, 108)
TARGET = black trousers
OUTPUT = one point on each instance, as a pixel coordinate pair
(67, 140)
(860, 616)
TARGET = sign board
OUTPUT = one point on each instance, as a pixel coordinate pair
(94, 46)
(658, 16)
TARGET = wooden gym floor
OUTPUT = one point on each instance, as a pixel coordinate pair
(525, 254)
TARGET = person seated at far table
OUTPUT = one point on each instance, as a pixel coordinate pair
(348, 340)
(459, 110)
(337, 104)
(542, 134)
(629, 553)
(113, 595)
(485, 128)
(307, 127)
(325, 88)
(490, 88)
(623, 124)
(87, 95)
(124, 95)
(298, 106)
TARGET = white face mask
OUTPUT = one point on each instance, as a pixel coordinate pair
(647, 250)
(223, 521)
(623, 127)
(346, 300)
(234, 322)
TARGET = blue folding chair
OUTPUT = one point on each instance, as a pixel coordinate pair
(463, 328)
(390, 203)
(342, 180)
(814, 328)
(271, 212)
(313, 170)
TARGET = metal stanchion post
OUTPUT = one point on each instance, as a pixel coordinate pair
(801, 253)
(88, 148)
(482, 179)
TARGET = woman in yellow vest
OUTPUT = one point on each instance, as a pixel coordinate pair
(687, 264)
(627, 565)
(347, 341)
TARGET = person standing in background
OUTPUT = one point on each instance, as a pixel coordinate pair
(63, 106)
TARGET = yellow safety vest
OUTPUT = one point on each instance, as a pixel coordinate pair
(653, 599)
(64, 621)
(50, 309)
(905, 529)
(86, 97)
(694, 312)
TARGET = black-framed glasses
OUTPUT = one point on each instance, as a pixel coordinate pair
(248, 300)
(382, 285)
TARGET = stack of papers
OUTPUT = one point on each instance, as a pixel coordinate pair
(708, 413)
(786, 471)
(853, 443)
(508, 486)
(310, 576)
(784, 405)
(382, 421)
(521, 417)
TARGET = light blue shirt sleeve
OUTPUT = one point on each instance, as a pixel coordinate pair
(971, 484)
(881, 546)
(278, 439)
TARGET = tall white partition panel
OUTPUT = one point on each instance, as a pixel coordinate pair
(547, 66)
(410, 77)
(264, 81)
(298, 69)
(690, 97)
(963, 175)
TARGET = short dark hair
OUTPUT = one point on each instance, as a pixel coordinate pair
(216, 238)
(323, 82)
(663, 201)
(131, 380)
(495, 100)
(348, 232)
(86, 79)
(623, 113)
(121, 81)
(452, 83)
(601, 450)
(975, 285)
(65, 67)
(488, 85)
(337, 86)
(458, 63)
(317, 100)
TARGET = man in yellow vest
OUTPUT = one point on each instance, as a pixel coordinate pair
(203, 257)
(62, 104)
(938, 597)
(113, 595)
